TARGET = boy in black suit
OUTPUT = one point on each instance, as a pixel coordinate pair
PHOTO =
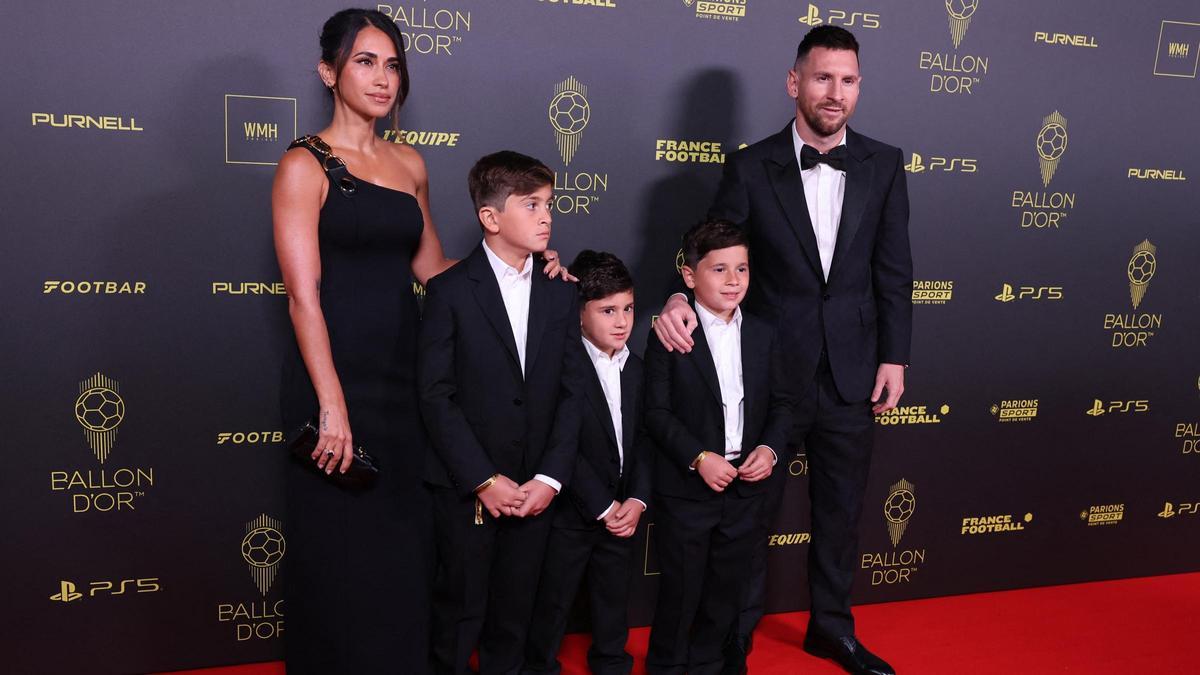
(717, 415)
(499, 357)
(610, 487)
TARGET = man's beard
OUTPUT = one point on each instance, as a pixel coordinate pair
(820, 125)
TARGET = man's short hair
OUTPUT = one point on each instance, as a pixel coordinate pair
(829, 37)
(600, 275)
(499, 175)
(711, 235)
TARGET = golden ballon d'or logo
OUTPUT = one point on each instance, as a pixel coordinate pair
(262, 549)
(1140, 270)
(898, 508)
(99, 410)
(960, 12)
(569, 115)
(1051, 144)
(679, 261)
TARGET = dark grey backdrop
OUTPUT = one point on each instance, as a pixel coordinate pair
(138, 563)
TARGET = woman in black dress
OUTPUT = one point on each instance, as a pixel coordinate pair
(358, 564)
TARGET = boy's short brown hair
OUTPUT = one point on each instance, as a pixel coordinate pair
(499, 175)
(600, 275)
(711, 235)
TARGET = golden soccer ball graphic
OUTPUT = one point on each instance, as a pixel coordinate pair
(570, 112)
(899, 506)
(962, 9)
(1141, 268)
(99, 409)
(1052, 141)
(263, 547)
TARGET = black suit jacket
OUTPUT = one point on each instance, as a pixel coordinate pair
(684, 413)
(600, 477)
(482, 416)
(863, 315)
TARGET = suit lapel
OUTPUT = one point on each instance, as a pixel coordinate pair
(859, 173)
(702, 358)
(538, 299)
(629, 384)
(595, 395)
(754, 349)
(487, 295)
(783, 172)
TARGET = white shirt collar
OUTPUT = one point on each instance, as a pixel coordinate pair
(598, 356)
(502, 269)
(710, 320)
(798, 142)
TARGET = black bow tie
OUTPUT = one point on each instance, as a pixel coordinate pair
(835, 158)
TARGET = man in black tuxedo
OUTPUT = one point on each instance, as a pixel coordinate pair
(826, 212)
(610, 488)
(716, 415)
(498, 376)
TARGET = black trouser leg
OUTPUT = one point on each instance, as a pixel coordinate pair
(515, 569)
(839, 460)
(608, 581)
(464, 552)
(563, 567)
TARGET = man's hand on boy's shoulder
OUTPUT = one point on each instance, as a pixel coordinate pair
(538, 497)
(716, 471)
(675, 324)
(503, 497)
(758, 465)
(623, 521)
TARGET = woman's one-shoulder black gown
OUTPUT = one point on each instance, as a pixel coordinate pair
(358, 565)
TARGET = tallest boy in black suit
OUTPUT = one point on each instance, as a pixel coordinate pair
(500, 373)
(826, 211)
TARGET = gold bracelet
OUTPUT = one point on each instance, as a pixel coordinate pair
(487, 483)
(699, 458)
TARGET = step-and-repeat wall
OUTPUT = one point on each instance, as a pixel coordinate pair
(1050, 432)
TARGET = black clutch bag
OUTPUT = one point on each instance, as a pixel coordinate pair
(361, 474)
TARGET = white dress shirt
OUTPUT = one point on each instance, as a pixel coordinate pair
(514, 289)
(608, 369)
(725, 343)
(515, 286)
(824, 190)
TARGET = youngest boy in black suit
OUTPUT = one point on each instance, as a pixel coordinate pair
(717, 416)
(610, 486)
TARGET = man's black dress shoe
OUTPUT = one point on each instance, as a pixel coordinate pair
(736, 651)
(848, 653)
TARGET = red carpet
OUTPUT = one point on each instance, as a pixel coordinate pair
(1131, 626)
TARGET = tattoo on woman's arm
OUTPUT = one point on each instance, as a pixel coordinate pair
(324, 420)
